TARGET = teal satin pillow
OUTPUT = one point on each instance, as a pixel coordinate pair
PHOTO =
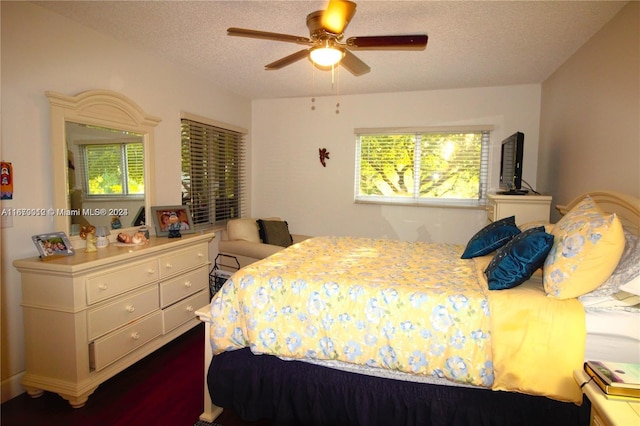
(515, 262)
(491, 237)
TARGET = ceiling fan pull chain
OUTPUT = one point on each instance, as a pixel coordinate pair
(313, 88)
(338, 93)
(333, 75)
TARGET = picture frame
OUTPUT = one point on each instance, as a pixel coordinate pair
(161, 215)
(52, 245)
(140, 217)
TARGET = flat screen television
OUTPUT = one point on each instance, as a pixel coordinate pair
(511, 165)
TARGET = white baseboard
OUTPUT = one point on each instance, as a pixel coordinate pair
(11, 387)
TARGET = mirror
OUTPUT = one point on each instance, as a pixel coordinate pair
(105, 176)
(102, 150)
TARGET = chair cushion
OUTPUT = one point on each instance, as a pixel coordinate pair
(274, 232)
(239, 248)
(243, 229)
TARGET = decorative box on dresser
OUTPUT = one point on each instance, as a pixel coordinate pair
(526, 208)
(89, 316)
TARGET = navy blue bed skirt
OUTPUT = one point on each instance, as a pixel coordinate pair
(297, 393)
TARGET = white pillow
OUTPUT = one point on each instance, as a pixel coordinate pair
(632, 286)
(626, 271)
(621, 290)
(243, 229)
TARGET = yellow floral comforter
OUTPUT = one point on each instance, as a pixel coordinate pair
(412, 307)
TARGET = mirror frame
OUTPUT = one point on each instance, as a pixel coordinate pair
(102, 108)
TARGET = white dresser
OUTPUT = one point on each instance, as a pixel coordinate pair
(526, 208)
(89, 316)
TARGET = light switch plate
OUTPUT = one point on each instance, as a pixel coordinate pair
(7, 221)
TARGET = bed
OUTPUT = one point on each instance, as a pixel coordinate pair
(354, 331)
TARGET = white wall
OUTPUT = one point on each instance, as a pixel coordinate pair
(290, 182)
(590, 123)
(44, 51)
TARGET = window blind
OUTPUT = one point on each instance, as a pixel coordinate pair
(213, 179)
(113, 169)
(420, 166)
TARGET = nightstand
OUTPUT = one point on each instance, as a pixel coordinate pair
(607, 412)
(526, 208)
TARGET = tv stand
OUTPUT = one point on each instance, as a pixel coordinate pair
(529, 208)
(514, 192)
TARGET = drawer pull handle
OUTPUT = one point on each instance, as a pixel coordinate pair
(135, 335)
(187, 284)
(151, 271)
(103, 286)
(189, 308)
(168, 266)
(130, 308)
(200, 255)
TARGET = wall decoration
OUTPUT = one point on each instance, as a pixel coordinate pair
(53, 245)
(6, 180)
(162, 220)
(324, 155)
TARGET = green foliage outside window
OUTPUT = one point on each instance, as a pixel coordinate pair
(418, 167)
(115, 169)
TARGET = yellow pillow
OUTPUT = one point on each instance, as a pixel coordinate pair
(587, 247)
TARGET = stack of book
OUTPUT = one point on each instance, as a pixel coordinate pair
(617, 380)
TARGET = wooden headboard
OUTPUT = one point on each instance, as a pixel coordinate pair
(627, 207)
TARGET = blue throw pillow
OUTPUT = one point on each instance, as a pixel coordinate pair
(491, 237)
(514, 263)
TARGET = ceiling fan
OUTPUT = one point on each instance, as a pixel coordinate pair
(326, 46)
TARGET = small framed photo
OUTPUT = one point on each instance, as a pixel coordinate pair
(53, 245)
(140, 218)
(164, 217)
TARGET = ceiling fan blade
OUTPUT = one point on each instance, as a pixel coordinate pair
(265, 35)
(287, 60)
(393, 42)
(337, 15)
(353, 64)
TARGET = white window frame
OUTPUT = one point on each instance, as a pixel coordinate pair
(415, 199)
(122, 148)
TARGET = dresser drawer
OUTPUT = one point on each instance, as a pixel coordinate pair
(180, 287)
(114, 346)
(182, 260)
(184, 310)
(102, 286)
(125, 310)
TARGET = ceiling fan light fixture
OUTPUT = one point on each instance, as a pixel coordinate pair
(326, 56)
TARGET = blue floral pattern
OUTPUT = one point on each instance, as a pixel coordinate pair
(412, 307)
(587, 247)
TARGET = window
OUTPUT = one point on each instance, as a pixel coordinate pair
(115, 169)
(431, 167)
(213, 181)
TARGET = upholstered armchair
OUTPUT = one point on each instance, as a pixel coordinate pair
(249, 239)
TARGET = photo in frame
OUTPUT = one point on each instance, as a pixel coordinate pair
(53, 245)
(139, 218)
(162, 216)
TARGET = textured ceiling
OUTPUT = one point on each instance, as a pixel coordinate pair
(471, 43)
